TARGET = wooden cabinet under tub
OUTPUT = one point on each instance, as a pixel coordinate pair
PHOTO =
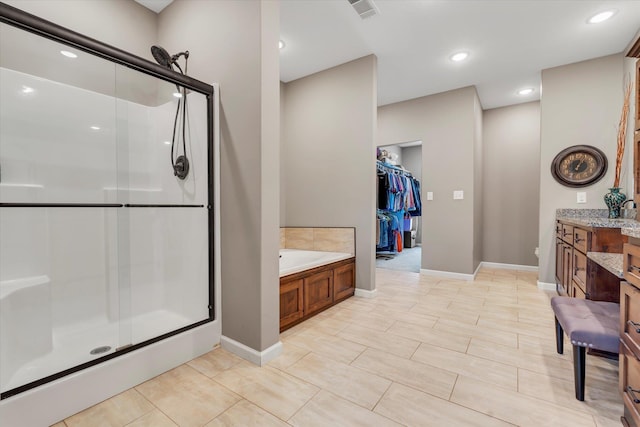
(307, 293)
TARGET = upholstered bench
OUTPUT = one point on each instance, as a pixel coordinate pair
(588, 324)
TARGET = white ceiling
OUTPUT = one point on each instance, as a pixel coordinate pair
(510, 42)
(155, 5)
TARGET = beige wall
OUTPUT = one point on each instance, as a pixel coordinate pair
(412, 161)
(580, 104)
(511, 187)
(478, 196)
(124, 24)
(446, 123)
(328, 155)
(235, 44)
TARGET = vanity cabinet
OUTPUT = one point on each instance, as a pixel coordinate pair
(629, 373)
(309, 292)
(576, 275)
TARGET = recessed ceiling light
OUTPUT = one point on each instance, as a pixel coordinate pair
(281, 44)
(27, 89)
(95, 127)
(602, 16)
(177, 94)
(526, 91)
(167, 143)
(68, 54)
(460, 56)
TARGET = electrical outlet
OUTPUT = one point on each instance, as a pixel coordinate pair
(429, 195)
(458, 195)
(581, 197)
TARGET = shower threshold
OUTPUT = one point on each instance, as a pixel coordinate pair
(72, 347)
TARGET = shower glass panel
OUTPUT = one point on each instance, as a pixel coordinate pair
(102, 248)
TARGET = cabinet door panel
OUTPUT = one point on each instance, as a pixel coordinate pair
(291, 302)
(580, 269)
(344, 283)
(629, 381)
(630, 316)
(318, 291)
(567, 268)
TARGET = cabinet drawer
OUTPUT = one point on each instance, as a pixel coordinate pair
(580, 269)
(581, 239)
(629, 381)
(567, 233)
(631, 264)
(558, 230)
(630, 316)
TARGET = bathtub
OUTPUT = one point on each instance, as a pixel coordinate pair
(295, 260)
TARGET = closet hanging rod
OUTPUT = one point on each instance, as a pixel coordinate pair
(389, 168)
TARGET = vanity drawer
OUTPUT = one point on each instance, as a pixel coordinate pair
(630, 316)
(558, 230)
(629, 381)
(631, 264)
(581, 239)
(580, 269)
(567, 233)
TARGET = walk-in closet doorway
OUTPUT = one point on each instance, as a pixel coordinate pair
(399, 206)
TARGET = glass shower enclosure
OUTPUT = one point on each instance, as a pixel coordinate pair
(103, 250)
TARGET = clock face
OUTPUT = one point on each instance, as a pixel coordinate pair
(579, 166)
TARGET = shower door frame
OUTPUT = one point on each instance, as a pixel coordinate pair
(47, 29)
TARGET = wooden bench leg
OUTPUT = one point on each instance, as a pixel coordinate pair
(559, 337)
(578, 370)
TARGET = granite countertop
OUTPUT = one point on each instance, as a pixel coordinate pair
(612, 262)
(631, 230)
(599, 218)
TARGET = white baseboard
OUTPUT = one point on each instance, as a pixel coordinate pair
(447, 274)
(546, 286)
(502, 266)
(256, 357)
(366, 293)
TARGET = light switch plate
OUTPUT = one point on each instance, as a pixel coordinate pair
(581, 197)
(429, 195)
(458, 195)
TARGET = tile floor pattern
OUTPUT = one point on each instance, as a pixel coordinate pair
(425, 352)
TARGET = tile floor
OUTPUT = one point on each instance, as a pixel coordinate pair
(424, 352)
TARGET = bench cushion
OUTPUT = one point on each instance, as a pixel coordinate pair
(593, 324)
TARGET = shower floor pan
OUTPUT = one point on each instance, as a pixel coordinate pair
(72, 348)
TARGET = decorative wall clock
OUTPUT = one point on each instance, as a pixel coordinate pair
(579, 166)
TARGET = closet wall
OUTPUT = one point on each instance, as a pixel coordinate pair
(449, 124)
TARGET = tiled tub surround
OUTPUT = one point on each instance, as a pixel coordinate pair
(326, 239)
(317, 270)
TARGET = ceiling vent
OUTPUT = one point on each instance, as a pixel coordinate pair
(365, 8)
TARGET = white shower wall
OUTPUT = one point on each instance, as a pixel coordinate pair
(130, 267)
